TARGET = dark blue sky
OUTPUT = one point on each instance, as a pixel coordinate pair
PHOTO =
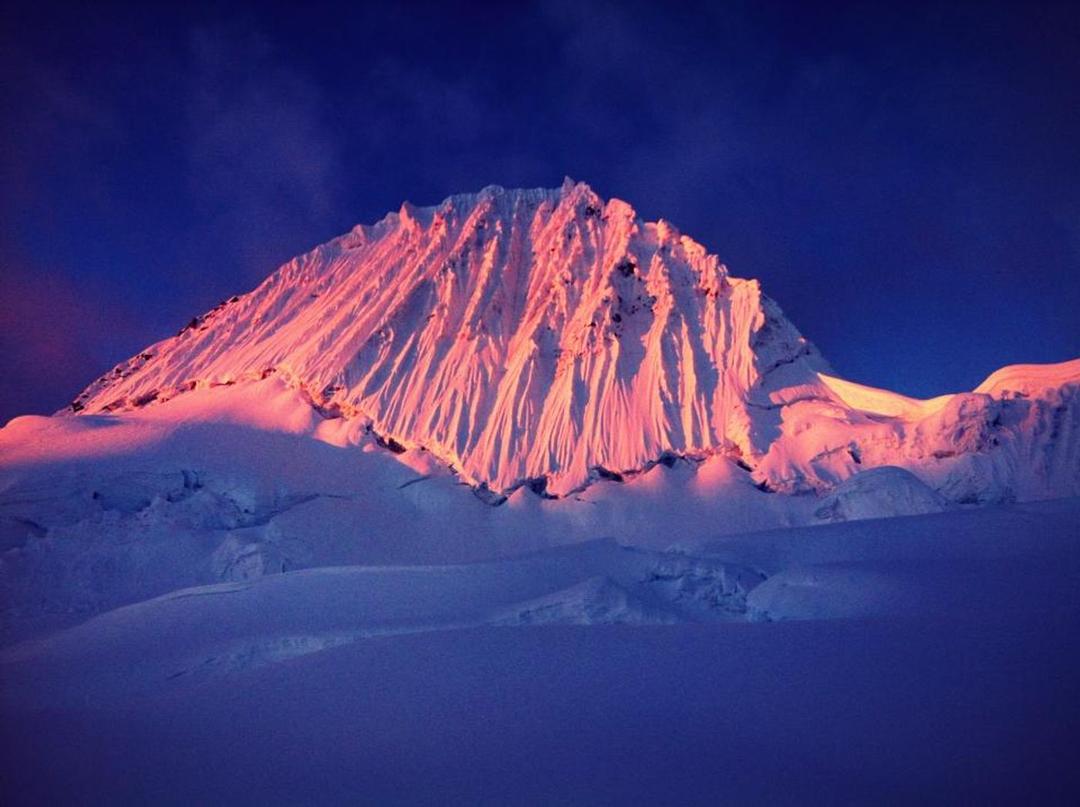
(905, 181)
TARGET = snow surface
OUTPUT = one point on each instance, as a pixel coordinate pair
(236, 482)
(899, 660)
(519, 499)
(228, 598)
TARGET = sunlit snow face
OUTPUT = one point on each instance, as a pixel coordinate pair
(515, 334)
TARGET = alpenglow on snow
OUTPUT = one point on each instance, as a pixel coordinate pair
(550, 338)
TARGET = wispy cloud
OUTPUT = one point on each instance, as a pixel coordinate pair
(264, 162)
(54, 335)
(61, 133)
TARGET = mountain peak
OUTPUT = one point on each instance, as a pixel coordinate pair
(551, 338)
(517, 334)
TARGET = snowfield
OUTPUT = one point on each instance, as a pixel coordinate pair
(522, 500)
(926, 657)
(233, 483)
(227, 598)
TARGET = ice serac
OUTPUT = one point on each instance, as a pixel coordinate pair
(1016, 437)
(540, 336)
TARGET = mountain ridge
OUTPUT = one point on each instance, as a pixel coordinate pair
(550, 332)
(551, 338)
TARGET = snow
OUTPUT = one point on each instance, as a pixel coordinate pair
(229, 598)
(874, 401)
(1030, 379)
(516, 334)
(521, 499)
(550, 337)
(875, 660)
(237, 482)
(980, 447)
(875, 492)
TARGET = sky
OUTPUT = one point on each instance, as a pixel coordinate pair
(903, 178)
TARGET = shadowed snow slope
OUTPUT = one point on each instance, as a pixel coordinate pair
(99, 511)
(240, 482)
(550, 338)
(878, 661)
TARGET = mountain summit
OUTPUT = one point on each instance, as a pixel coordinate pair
(551, 338)
(545, 350)
(517, 334)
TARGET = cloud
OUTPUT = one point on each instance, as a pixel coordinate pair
(52, 336)
(53, 126)
(264, 163)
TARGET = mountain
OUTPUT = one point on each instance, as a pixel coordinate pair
(519, 335)
(543, 349)
(549, 338)
(520, 499)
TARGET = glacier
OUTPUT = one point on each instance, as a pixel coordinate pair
(521, 499)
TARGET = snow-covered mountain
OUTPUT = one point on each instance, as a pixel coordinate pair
(549, 338)
(258, 541)
(543, 349)
(518, 335)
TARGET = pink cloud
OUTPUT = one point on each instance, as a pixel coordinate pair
(55, 337)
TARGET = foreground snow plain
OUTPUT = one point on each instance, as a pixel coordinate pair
(211, 601)
(921, 658)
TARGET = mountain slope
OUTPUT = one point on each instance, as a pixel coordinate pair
(516, 334)
(257, 542)
(547, 338)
